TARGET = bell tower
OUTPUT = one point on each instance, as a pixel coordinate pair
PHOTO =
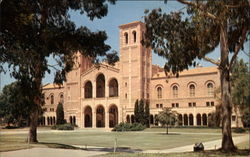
(135, 64)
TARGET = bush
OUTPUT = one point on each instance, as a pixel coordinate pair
(239, 130)
(129, 127)
(63, 127)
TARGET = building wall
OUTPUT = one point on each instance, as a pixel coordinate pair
(135, 78)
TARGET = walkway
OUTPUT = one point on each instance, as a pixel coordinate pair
(210, 145)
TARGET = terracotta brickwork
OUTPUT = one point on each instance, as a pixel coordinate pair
(104, 95)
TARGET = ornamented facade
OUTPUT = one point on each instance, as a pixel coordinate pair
(105, 96)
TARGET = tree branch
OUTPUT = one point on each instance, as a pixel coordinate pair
(211, 60)
(198, 7)
(239, 46)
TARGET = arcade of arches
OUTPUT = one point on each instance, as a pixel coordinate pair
(100, 118)
(183, 119)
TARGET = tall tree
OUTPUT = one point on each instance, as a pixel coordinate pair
(14, 104)
(167, 117)
(60, 114)
(136, 111)
(240, 90)
(32, 31)
(181, 38)
(141, 112)
(147, 114)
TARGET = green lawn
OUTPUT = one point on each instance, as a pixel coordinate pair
(145, 140)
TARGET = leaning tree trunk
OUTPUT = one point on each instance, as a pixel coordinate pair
(36, 106)
(227, 141)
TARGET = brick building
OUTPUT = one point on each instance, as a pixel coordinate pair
(104, 96)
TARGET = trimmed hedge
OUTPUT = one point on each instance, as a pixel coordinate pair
(129, 127)
(239, 130)
(63, 127)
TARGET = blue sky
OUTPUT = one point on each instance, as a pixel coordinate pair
(121, 13)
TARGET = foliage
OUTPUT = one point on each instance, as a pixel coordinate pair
(129, 127)
(239, 130)
(60, 114)
(14, 104)
(214, 120)
(142, 112)
(33, 31)
(188, 34)
(167, 117)
(66, 126)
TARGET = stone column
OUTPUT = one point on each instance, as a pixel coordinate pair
(106, 119)
(94, 119)
(195, 120)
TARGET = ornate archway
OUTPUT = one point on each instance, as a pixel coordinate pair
(113, 116)
(88, 117)
(198, 117)
(100, 86)
(100, 116)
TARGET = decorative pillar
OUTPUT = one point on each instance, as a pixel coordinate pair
(94, 119)
(107, 119)
(195, 120)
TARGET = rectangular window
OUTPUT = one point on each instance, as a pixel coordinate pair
(208, 104)
(177, 104)
(233, 118)
(190, 104)
(194, 104)
(212, 103)
(173, 105)
(161, 105)
(157, 105)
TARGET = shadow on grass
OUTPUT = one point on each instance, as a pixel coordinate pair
(111, 149)
(169, 134)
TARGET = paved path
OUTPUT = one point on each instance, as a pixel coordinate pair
(50, 152)
(207, 145)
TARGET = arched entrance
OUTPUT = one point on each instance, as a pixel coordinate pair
(180, 120)
(113, 116)
(151, 119)
(128, 119)
(198, 117)
(191, 119)
(88, 117)
(185, 119)
(100, 116)
(204, 119)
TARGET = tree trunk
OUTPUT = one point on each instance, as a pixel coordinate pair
(227, 141)
(36, 106)
(167, 129)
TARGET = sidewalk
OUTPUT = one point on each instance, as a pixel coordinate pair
(207, 145)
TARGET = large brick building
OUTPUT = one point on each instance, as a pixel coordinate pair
(104, 96)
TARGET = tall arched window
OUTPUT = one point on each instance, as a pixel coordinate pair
(192, 90)
(88, 90)
(61, 98)
(210, 89)
(159, 92)
(134, 35)
(51, 99)
(113, 88)
(175, 92)
(126, 37)
(100, 86)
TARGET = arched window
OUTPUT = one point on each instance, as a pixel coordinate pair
(113, 88)
(175, 92)
(159, 92)
(88, 90)
(192, 90)
(100, 86)
(51, 99)
(61, 98)
(134, 35)
(210, 89)
(126, 37)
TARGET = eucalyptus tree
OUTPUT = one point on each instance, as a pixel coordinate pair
(34, 30)
(188, 34)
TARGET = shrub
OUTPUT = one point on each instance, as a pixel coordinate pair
(129, 127)
(239, 130)
(63, 127)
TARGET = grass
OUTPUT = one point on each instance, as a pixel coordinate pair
(154, 138)
(244, 145)
(239, 153)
